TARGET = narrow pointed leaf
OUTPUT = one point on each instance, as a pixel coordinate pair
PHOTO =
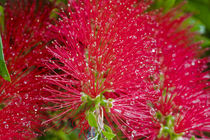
(92, 120)
(3, 68)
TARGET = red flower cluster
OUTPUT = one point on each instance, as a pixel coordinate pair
(132, 69)
(114, 66)
(23, 41)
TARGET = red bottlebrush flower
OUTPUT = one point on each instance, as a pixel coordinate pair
(182, 84)
(23, 41)
(97, 57)
(114, 61)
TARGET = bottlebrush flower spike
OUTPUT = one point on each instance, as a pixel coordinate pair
(115, 64)
(98, 59)
(23, 41)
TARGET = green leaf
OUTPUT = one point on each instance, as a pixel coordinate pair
(164, 4)
(108, 135)
(107, 128)
(1, 18)
(192, 138)
(2, 106)
(3, 68)
(64, 1)
(92, 120)
(198, 26)
(200, 10)
(206, 41)
(168, 4)
(54, 14)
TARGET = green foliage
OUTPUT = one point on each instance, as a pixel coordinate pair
(107, 128)
(192, 138)
(198, 26)
(164, 4)
(2, 1)
(1, 17)
(200, 10)
(200, 19)
(92, 120)
(3, 68)
(64, 1)
(167, 127)
(60, 135)
(108, 135)
(108, 132)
